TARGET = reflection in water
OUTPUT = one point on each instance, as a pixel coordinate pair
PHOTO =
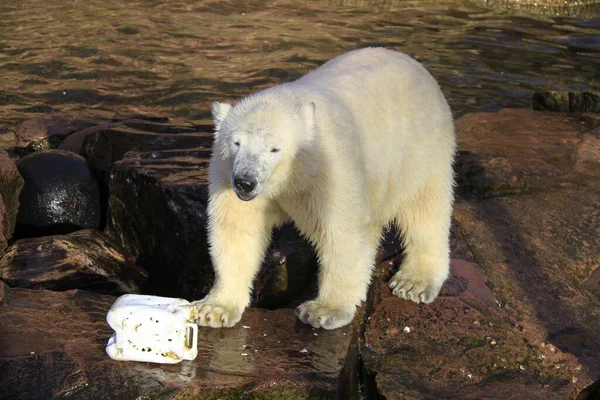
(175, 57)
(273, 345)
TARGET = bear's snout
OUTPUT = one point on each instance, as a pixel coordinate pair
(244, 187)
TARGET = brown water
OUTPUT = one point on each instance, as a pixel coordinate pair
(174, 57)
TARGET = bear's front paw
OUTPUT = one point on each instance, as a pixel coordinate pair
(415, 287)
(216, 315)
(320, 315)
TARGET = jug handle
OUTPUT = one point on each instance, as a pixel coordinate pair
(191, 328)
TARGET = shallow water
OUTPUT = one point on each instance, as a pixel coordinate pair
(174, 57)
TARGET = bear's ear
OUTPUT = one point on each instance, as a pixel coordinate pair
(219, 111)
(307, 113)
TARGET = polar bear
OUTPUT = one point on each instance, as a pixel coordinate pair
(362, 141)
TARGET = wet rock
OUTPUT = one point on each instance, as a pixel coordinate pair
(104, 145)
(85, 259)
(158, 211)
(567, 101)
(48, 131)
(478, 177)
(591, 392)
(268, 355)
(583, 9)
(11, 184)
(288, 275)
(60, 195)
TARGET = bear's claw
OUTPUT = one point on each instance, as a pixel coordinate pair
(320, 315)
(414, 289)
(215, 316)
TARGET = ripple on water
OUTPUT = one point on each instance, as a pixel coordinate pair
(175, 57)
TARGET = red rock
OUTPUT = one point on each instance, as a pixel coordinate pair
(11, 184)
(517, 318)
(538, 145)
(481, 176)
(587, 153)
(593, 282)
(48, 130)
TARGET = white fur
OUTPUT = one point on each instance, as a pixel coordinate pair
(364, 140)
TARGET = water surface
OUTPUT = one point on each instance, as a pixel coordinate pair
(174, 57)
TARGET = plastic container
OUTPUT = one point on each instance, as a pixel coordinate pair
(152, 329)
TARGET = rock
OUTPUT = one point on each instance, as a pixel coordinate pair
(551, 101)
(288, 275)
(582, 9)
(85, 259)
(531, 145)
(53, 347)
(539, 250)
(520, 315)
(460, 346)
(587, 153)
(60, 195)
(591, 392)
(47, 131)
(104, 145)
(11, 184)
(158, 211)
(593, 282)
(567, 101)
(481, 177)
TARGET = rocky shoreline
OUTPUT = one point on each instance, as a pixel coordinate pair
(519, 317)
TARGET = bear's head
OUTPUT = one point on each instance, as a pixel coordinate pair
(261, 143)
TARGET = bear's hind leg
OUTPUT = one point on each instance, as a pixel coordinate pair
(425, 227)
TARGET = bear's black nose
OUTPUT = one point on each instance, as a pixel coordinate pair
(244, 185)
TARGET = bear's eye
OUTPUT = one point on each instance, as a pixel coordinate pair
(236, 144)
(275, 150)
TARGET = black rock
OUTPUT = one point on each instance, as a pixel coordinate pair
(558, 101)
(60, 195)
(157, 210)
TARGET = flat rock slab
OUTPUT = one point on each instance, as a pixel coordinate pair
(104, 145)
(53, 347)
(85, 259)
(540, 146)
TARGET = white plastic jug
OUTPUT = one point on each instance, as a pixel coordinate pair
(152, 329)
